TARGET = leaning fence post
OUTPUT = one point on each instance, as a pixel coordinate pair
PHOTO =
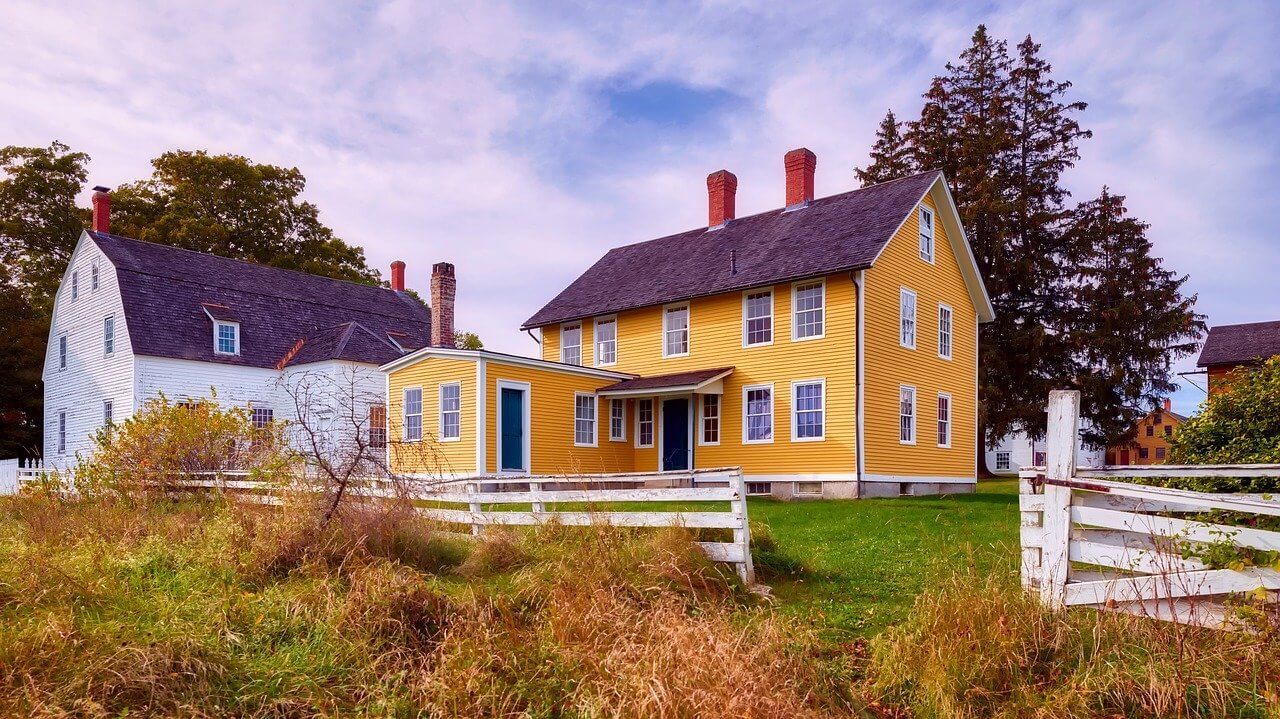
(742, 534)
(1060, 464)
(474, 505)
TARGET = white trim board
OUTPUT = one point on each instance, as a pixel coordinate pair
(911, 479)
(499, 357)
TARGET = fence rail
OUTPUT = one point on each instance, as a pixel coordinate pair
(1088, 540)
(485, 496)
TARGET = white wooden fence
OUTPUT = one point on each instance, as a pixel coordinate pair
(14, 472)
(1088, 540)
(481, 500)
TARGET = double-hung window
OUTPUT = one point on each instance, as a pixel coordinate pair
(584, 420)
(262, 417)
(757, 318)
(944, 419)
(907, 318)
(675, 331)
(62, 432)
(226, 338)
(808, 302)
(108, 412)
(75, 285)
(571, 343)
(377, 426)
(108, 335)
(644, 423)
(907, 414)
(62, 352)
(710, 419)
(413, 414)
(926, 234)
(944, 331)
(450, 412)
(617, 420)
(93, 277)
(757, 408)
(606, 341)
(1004, 460)
(808, 416)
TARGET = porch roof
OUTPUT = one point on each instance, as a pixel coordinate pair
(704, 381)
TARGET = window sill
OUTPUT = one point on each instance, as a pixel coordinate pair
(758, 441)
(810, 337)
(667, 356)
(823, 438)
(903, 441)
(749, 345)
(444, 440)
(581, 444)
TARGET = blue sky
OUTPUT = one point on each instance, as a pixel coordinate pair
(521, 142)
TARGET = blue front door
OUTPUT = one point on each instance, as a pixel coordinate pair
(513, 429)
(675, 434)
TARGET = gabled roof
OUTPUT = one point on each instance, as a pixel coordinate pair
(1240, 344)
(171, 296)
(831, 234)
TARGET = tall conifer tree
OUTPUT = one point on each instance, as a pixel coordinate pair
(891, 155)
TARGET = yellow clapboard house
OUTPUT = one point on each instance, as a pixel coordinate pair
(828, 347)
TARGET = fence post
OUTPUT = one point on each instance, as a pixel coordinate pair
(1060, 464)
(742, 535)
(474, 505)
(538, 506)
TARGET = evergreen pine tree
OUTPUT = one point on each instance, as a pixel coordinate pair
(891, 156)
(1130, 319)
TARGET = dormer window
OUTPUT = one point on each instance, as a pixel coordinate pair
(226, 338)
(926, 234)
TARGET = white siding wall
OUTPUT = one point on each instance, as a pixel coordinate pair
(90, 377)
(1022, 454)
(182, 380)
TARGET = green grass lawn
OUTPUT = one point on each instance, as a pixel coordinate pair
(869, 558)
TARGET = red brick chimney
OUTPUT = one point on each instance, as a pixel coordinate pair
(800, 165)
(397, 276)
(722, 190)
(101, 209)
(1168, 404)
(443, 290)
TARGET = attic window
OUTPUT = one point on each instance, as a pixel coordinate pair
(926, 234)
(226, 338)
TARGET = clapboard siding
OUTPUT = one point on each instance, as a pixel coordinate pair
(432, 455)
(889, 365)
(91, 377)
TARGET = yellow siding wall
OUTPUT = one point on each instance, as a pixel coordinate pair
(431, 455)
(551, 416)
(716, 340)
(889, 365)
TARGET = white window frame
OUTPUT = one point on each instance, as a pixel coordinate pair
(667, 311)
(235, 326)
(702, 419)
(254, 416)
(915, 414)
(599, 346)
(950, 334)
(108, 412)
(795, 411)
(63, 353)
(108, 337)
(746, 317)
(440, 415)
(94, 277)
(746, 418)
(928, 247)
(653, 423)
(621, 415)
(903, 294)
(62, 431)
(795, 311)
(1007, 456)
(564, 345)
(594, 419)
(75, 285)
(405, 414)
(949, 421)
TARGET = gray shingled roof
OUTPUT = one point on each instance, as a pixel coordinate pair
(665, 381)
(169, 292)
(1240, 344)
(832, 234)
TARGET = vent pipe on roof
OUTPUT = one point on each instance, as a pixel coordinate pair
(101, 209)
(733, 262)
(799, 165)
(443, 290)
(397, 276)
(722, 190)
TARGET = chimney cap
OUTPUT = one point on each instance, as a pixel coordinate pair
(397, 263)
(101, 188)
(442, 268)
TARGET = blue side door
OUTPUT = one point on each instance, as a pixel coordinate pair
(513, 430)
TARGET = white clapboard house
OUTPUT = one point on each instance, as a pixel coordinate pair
(134, 319)
(1017, 450)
